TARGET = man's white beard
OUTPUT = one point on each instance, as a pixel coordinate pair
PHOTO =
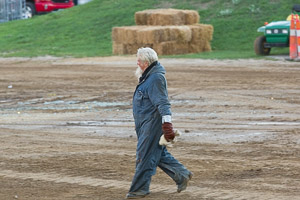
(138, 72)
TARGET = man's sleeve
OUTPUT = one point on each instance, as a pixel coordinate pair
(158, 95)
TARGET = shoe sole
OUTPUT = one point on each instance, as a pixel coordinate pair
(137, 197)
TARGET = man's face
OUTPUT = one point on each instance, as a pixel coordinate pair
(142, 64)
(140, 68)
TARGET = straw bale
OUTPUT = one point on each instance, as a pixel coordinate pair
(121, 48)
(202, 31)
(118, 49)
(207, 46)
(170, 48)
(200, 46)
(163, 48)
(141, 18)
(192, 18)
(180, 34)
(131, 48)
(125, 34)
(158, 34)
(166, 40)
(117, 33)
(152, 34)
(164, 17)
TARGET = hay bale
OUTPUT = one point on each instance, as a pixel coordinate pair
(151, 34)
(123, 49)
(201, 31)
(158, 34)
(166, 40)
(192, 18)
(180, 34)
(201, 36)
(119, 49)
(140, 18)
(131, 48)
(164, 17)
(125, 33)
(171, 48)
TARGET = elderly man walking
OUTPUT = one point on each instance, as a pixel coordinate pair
(152, 116)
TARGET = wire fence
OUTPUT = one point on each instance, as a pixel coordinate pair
(12, 10)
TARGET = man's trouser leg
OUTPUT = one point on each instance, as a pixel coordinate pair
(148, 156)
(173, 167)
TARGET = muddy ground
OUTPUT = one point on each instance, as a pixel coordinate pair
(66, 128)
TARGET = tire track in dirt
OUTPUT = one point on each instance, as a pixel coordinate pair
(80, 180)
(193, 191)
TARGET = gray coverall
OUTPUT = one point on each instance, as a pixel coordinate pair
(150, 103)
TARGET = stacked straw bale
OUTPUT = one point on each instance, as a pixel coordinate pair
(167, 31)
(164, 17)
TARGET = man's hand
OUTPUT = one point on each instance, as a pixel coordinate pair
(168, 131)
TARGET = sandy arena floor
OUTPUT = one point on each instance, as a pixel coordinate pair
(67, 132)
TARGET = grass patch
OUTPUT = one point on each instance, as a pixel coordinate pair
(218, 54)
(85, 30)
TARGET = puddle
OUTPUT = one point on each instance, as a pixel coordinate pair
(275, 123)
(100, 123)
(40, 104)
(57, 102)
(227, 135)
(190, 101)
(5, 101)
(108, 104)
(226, 138)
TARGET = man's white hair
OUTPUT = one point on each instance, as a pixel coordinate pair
(147, 54)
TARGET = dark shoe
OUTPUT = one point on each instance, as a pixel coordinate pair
(184, 183)
(135, 196)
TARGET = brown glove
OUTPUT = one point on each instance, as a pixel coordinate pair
(168, 131)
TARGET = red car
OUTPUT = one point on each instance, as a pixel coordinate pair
(34, 7)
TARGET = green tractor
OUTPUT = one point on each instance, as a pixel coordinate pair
(276, 34)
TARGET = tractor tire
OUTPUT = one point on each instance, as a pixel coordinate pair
(30, 10)
(259, 46)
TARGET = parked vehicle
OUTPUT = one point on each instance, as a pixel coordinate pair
(276, 34)
(34, 7)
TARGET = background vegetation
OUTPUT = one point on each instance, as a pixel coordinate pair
(85, 30)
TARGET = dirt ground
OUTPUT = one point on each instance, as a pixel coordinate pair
(67, 132)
